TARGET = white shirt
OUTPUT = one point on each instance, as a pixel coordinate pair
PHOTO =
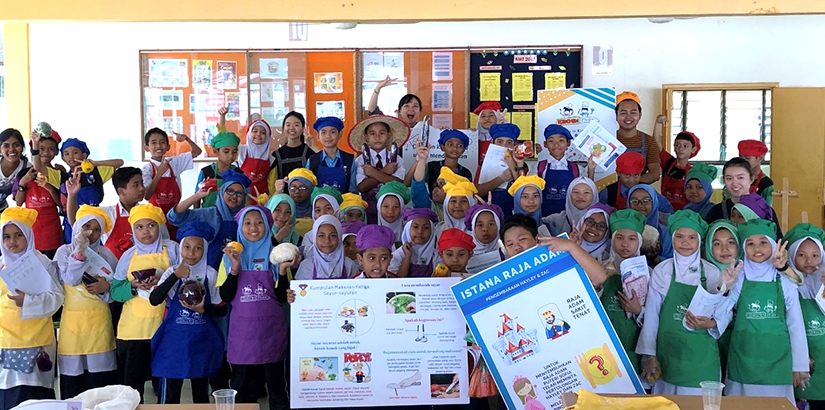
(360, 176)
(178, 164)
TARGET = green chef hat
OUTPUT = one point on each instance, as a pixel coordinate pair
(757, 227)
(627, 219)
(686, 218)
(225, 139)
(702, 172)
(802, 231)
(395, 187)
(327, 190)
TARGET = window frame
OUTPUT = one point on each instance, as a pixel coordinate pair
(667, 104)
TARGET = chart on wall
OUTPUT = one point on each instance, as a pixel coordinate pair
(514, 76)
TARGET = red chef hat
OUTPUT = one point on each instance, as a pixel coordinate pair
(631, 162)
(752, 148)
(695, 141)
(454, 237)
(487, 105)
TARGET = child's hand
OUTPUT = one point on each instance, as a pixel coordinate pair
(407, 249)
(280, 185)
(101, 286)
(163, 167)
(422, 151)
(18, 299)
(222, 111)
(182, 271)
(195, 308)
(369, 171)
(29, 177)
(294, 262)
(661, 119)
(502, 116)
(575, 236)
(780, 257)
(731, 273)
(180, 137)
(698, 322)
(290, 296)
(390, 168)
(557, 243)
(632, 305)
(489, 200)
(284, 231)
(233, 256)
(145, 285)
(203, 192)
(309, 139)
(73, 184)
(385, 82)
(591, 165)
(507, 176)
(801, 379)
(651, 370)
(35, 137)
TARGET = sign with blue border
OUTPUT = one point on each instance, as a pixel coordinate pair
(543, 331)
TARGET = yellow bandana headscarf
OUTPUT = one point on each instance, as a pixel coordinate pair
(86, 210)
(353, 200)
(24, 216)
(526, 180)
(461, 188)
(146, 211)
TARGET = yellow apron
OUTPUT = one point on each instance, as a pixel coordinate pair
(140, 319)
(86, 324)
(18, 334)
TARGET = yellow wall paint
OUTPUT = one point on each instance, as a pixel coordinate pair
(16, 57)
(383, 10)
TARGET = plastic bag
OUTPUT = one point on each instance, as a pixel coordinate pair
(115, 397)
(481, 381)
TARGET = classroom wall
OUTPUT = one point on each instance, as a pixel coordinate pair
(85, 77)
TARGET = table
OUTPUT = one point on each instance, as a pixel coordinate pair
(211, 406)
(695, 402)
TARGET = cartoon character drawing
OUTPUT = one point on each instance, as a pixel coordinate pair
(568, 110)
(815, 323)
(360, 377)
(755, 306)
(527, 393)
(554, 329)
(259, 290)
(586, 111)
(348, 327)
(247, 290)
(770, 306)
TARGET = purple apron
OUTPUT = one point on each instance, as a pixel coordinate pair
(421, 271)
(257, 324)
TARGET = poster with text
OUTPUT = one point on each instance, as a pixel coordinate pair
(233, 105)
(168, 72)
(226, 77)
(330, 109)
(274, 68)
(377, 342)
(575, 109)
(468, 160)
(543, 331)
(201, 73)
(328, 83)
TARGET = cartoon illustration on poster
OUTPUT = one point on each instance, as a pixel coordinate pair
(201, 73)
(377, 342)
(575, 109)
(171, 99)
(168, 72)
(172, 124)
(233, 104)
(328, 83)
(543, 331)
(274, 68)
(226, 76)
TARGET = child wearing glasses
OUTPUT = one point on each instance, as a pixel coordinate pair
(299, 184)
(591, 231)
(644, 199)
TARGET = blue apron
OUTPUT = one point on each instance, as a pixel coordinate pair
(554, 196)
(193, 345)
(335, 177)
(503, 199)
(227, 232)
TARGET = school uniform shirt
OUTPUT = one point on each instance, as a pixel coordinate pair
(75, 365)
(657, 291)
(177, 164)
(360, 176)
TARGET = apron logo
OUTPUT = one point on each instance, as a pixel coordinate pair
(814, 328)
(260, 294)
(187, 317)
(614, 306)
(680, 312)
(758, 312)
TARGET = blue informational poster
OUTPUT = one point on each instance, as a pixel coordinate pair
(543, 331)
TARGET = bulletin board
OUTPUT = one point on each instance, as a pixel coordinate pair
(512, 76)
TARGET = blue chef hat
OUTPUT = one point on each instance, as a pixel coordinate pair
(447, 135)
(328, 122)
(555, 129)
(505, 131)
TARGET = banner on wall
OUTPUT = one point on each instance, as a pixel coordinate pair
(468, 160)
(377, 342)
(575, 109)
(543, 331)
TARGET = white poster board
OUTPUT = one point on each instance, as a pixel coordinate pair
(377, 342)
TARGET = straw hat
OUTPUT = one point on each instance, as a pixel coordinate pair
(399, 131)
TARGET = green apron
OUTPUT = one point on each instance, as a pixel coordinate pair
(627, 329)
(760, 348)
(687, 357)
(815, 330)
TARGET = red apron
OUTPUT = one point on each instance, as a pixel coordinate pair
(674, 189)
(482, 152)
(119, 239)
(621, 201)
(48, 234)
(755, 185)
(257, 171)
(166, 196)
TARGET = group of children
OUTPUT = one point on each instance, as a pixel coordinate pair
(365, 216)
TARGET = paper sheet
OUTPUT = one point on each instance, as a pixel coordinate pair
(554, 81)
(28, 275)
(480, 263)
(702, 304)
(601, 144)
(490, 86)
(442, 121)
(635, 278)
(820, 298)
(522, 86)
(493, 164)
(442, 97)
(95, 265)
(524, 121)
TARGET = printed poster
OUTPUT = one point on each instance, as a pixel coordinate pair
(274, 68)
(524, 121)
(602, 60)
(490, 84)
(373, 66)
(202, 134)
(330, 109)
(201, 73)
(468, 160)
(554, 81)
(227, 75)
(442, 97)
(233, 104)
(394, 65)
(522, 86)
(377, 342)
(543, 331)
(165, 72)
(274, 115)
(328, 83)
(172, 124)
(206, 103)
(599, 143)
(171, 99)
(442, 66)
(575, 108)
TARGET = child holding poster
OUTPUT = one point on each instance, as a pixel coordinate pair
(86, 341)
(326, 259)
(375, 245)
(226, 146)
(768, 314)
(557, 171)
(417, 257)
(684, 354)
(257, 321)
(28, 333)
(135, 277)
(806, 252)
(581, 195)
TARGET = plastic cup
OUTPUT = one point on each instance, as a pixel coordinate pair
(711, 395)
(224, 399)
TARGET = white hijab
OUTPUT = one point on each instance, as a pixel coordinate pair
(421, 254)
(323, 265)
(332, 201)
(257, 151)
(761, 271)
(9, 257)
(575, 214)
(398, 225)
(617, 259)
(449, 220)
(493, 246)
(811, 283)
(600, 248)
(688, 271)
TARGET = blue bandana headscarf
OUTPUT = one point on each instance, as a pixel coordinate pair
(255, 255)
(231, 177)
(74, 142)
